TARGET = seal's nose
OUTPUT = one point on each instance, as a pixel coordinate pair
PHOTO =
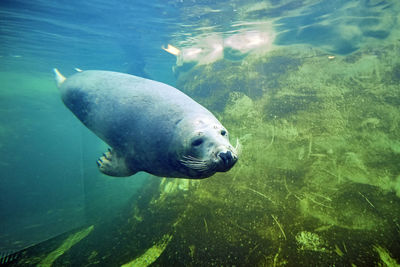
(227, 158)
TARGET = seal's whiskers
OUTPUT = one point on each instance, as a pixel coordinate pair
(194, 163)
(238, 147)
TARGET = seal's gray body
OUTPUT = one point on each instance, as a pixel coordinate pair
(144, 121)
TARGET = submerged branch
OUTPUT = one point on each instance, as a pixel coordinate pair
(369, 202)
(279, 225)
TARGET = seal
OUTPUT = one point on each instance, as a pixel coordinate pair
(150, 126)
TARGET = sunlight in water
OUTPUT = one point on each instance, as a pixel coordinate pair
(208, 48)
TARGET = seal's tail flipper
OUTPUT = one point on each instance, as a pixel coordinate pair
(59, 77)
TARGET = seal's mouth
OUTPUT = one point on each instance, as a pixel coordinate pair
(226, 160)
(227, 157)
(222, 161)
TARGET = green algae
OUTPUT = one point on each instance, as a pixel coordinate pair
(320, 152)
(309, 241)
(386, 258)
(151, 255)
(65, 246)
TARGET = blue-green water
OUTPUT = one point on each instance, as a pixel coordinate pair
(310, 88)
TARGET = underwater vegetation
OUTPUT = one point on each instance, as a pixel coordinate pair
(317, 183)
(318, 178)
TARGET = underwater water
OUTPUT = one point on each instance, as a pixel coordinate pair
(311, 89)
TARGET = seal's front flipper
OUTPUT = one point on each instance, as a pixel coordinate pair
(113, 164)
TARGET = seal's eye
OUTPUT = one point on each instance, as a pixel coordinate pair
(223, 132)
(197, 142)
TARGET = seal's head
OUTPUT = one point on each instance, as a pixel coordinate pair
(206, 149)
